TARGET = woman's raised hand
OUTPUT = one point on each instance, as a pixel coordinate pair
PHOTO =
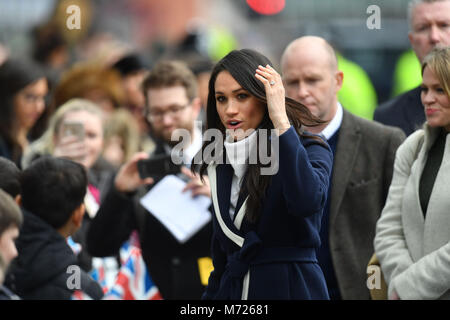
(275, 95)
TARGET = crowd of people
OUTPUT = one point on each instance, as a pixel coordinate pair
(346, 190)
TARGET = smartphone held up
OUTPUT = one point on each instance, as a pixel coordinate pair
(73, 128)
(157, 167)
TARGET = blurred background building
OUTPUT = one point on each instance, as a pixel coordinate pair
(183, 28)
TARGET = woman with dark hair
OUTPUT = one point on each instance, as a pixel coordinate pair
(266, 226)
(23, 87)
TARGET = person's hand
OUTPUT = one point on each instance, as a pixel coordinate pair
(195, 184)
(70, 147)
(275, 94)
(128, 179)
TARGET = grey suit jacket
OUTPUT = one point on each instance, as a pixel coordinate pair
(414, 252)
(362, 173)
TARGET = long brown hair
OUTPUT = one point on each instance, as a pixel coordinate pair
(242, 64)
(15, 75)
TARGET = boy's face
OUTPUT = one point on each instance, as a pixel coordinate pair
(7, 245)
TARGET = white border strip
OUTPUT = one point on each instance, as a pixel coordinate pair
(240, 215)
(245, 286)
(230, 234)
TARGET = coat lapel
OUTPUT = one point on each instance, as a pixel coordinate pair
(220, 177)
(241, 207)
(224, 180)
(224, 175)
(437, 222)
(346, 152)
(412, 215)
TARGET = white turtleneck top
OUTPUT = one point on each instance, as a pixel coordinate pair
(237, 155)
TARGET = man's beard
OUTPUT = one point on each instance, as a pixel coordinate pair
(171, 142)
(166, 137)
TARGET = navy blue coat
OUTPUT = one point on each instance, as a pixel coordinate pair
(274, 258)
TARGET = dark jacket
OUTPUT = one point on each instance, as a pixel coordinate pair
(41, 270)
(6, 294)
(101, 176)
(405, 112)
(5, 150)
(276, 256)
(362, 173)
(173, 266)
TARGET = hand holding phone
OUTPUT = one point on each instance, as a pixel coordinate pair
(157, 167)
(73, 128)
(128, 178)
(70, 141)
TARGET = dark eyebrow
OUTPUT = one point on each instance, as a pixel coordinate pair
(234, 91)
(167, 106)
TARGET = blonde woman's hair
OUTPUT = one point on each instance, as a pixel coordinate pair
(2, 269)
(122, 124)
(45, 144)
(438, 60)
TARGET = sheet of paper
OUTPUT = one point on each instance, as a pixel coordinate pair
(181, 214)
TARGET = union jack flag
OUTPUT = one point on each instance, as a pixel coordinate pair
(98, 274)
(133, 281)
(80, 295)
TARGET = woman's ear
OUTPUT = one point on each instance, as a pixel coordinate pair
(339, 79)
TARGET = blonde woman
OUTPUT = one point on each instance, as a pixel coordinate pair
(412, 239)
(85, 149)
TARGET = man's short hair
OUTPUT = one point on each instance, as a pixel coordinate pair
(412, 4)
(9, 177)
(10, 214)
(170, 73)
(52, 188)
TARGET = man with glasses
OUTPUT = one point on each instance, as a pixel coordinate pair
(429, 23)
(171, 103)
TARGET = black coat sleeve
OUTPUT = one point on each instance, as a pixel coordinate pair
(219, 261)
(112, 226)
